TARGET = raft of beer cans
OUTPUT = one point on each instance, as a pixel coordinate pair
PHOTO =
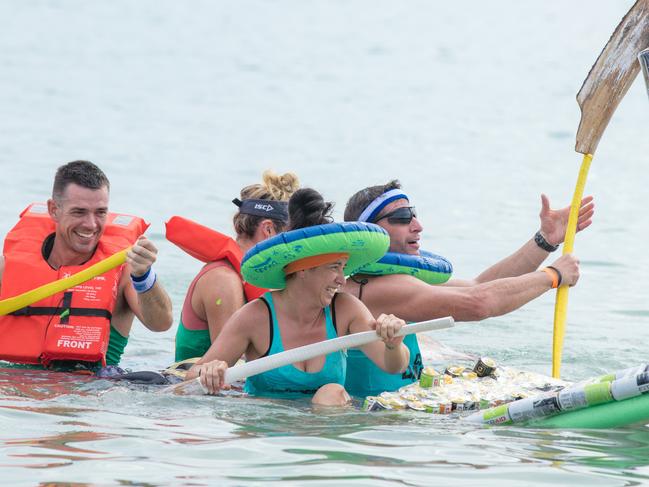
(461, 388)
(617, 386)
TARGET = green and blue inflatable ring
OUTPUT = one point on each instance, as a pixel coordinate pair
(263, 265)
(427, 267)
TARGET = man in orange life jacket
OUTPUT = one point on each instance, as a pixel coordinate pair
(91, 322)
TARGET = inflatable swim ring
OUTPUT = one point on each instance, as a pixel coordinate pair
(263, 265)
(428, 267)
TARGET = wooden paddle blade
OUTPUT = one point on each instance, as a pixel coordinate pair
(643, 57)
(611, 76)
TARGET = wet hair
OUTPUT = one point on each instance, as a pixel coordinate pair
(82, 173)
(361, 200)
(307, 207)
(273, 187)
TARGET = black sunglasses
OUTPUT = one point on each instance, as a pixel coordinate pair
(400, 216)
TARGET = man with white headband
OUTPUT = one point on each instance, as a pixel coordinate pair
(501, 288)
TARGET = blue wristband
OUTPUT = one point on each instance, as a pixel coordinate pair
(145, 282)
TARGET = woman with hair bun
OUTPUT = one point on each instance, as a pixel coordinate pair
(307, 265)
(218, 290)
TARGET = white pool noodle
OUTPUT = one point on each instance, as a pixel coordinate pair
(306, 352)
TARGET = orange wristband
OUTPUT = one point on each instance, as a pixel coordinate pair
(554, 275)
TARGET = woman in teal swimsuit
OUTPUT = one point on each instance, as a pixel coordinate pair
(307, 309)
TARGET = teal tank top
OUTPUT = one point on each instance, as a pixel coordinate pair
(289, 380)
(364, 378)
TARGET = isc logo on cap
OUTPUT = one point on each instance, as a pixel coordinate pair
(259, 206)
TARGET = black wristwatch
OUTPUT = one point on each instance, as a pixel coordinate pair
(543, 243)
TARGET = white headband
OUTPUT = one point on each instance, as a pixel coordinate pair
(375, 207)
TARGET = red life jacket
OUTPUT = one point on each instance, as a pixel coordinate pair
(74, 324)
(208, 245)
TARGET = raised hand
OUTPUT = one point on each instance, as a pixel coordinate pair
(141, 256)
(555, 222)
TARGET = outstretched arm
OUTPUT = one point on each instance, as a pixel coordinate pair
(414, 300)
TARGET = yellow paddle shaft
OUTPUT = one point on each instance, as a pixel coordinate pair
(561, 303)
(10, 305)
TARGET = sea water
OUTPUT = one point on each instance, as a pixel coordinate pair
(470, 104)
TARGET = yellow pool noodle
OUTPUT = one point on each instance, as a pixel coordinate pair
(15, 303)
(561, 304)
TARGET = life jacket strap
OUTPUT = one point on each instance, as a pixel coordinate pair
(51, 311)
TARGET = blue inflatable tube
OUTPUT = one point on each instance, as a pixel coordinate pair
(428, 267)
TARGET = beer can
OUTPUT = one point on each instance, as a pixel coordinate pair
(618, 374)
(409, 397)
(630, 386)
(392, 400)
(484, 367)
(454, 370)
(431, 406)
(643, 382)
(497, 415)
(572, 398)
(533, 407)
(416, 406)
(445, 407)
(430, 378)
(372, 403)
(598, 393)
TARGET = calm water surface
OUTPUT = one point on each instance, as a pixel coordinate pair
(470, 104)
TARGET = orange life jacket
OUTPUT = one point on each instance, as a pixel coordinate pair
(208, 245)
(74, 324)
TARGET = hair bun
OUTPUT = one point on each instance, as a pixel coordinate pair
(307, 208)
(281, 187)
(273, 187)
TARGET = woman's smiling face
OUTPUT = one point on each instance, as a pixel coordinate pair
(325, 280)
